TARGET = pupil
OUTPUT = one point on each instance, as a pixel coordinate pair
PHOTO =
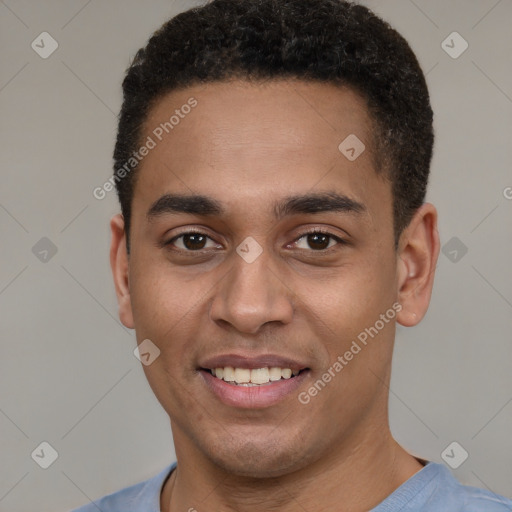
(318, 241)
(194, 241)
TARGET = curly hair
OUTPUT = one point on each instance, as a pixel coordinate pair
(331, 41)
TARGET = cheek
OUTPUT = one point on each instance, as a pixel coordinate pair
(359, 347)
(168, 313)
(159, 298)
(352, 299)
(366, 323)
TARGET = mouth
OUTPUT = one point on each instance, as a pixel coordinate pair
(252, 382)
(247, 377)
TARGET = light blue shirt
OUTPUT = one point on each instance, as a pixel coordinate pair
(432, 489)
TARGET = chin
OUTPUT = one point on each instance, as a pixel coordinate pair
(259, 456)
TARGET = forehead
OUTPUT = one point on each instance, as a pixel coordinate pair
(254, 141)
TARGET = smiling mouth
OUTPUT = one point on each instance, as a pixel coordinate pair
(253, 377)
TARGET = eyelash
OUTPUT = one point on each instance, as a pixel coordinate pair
(339, 241)
(319, 231)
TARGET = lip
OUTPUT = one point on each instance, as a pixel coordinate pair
(254, 397)
(252, 362)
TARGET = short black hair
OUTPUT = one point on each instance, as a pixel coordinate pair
(330, 41)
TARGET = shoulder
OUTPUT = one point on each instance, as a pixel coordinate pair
(141, 497)
(435, 489)
(454, 496)
(479, 500)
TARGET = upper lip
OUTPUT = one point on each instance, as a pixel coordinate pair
(251, 362)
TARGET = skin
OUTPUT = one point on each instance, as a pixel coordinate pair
(249, 146)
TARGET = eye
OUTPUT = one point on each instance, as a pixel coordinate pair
(318, 241)
(192, 241)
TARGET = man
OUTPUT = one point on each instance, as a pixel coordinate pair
(271, 163)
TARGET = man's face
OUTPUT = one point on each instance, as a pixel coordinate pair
(266, 157)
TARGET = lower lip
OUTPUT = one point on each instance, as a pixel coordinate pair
(252, 397)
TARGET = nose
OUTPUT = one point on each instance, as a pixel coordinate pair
(250, 296)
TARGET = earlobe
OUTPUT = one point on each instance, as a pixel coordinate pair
(119, 264)
(417, 260)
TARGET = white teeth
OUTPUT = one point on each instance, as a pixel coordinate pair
(275, 373)
(229, 374)
(286, 373)
(260, 376)
(254, 377)
(242, 375)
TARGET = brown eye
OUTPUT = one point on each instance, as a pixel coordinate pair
(192, 242)
(318, 241)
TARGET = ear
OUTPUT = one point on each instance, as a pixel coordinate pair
(120, 270)
(417, 259)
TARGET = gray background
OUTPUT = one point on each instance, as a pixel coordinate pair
(68, 374)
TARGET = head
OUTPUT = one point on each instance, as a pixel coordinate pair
(293, 139)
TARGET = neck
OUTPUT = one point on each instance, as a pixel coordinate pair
(355, 479)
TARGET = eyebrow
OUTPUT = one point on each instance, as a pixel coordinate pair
(170, 204)
(318, 203)
(175, 204)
